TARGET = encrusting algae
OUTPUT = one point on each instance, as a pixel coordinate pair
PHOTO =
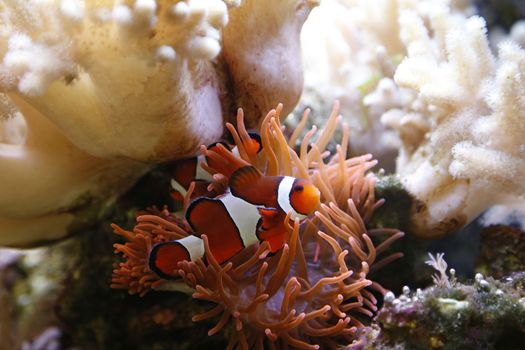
(314, 292)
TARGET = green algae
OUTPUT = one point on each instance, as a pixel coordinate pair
(396, 209)
(502, 251)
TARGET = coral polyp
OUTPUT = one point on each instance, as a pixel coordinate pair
(315, 292)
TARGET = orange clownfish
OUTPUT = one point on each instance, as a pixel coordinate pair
(189, 170)
(253, 211)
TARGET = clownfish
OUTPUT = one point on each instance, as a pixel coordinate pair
(254, 210)
(189, 170)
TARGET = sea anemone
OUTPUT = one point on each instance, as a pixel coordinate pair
(315, 291)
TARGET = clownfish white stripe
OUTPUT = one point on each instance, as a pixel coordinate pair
(178, 187)
(194, 245)
(200, 173)
(235, 151)
(283, 197)
(245, 216)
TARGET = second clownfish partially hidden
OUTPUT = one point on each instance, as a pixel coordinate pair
(253, 211)
(189, 170)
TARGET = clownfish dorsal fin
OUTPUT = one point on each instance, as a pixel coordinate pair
(243, 178)
(164, 257)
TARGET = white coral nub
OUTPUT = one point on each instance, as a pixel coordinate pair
(35, 65)
(73, 9)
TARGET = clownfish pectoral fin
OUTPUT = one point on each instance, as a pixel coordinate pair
(243, 178)
(275, 236)
(269, 216)
(276, 242)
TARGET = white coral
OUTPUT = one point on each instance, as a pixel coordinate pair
(472, 155)
(349, 47)
(106, 88)
(456, 107)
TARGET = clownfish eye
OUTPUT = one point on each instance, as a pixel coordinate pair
(298, 188)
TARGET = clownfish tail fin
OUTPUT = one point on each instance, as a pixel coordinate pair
(164, 257)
